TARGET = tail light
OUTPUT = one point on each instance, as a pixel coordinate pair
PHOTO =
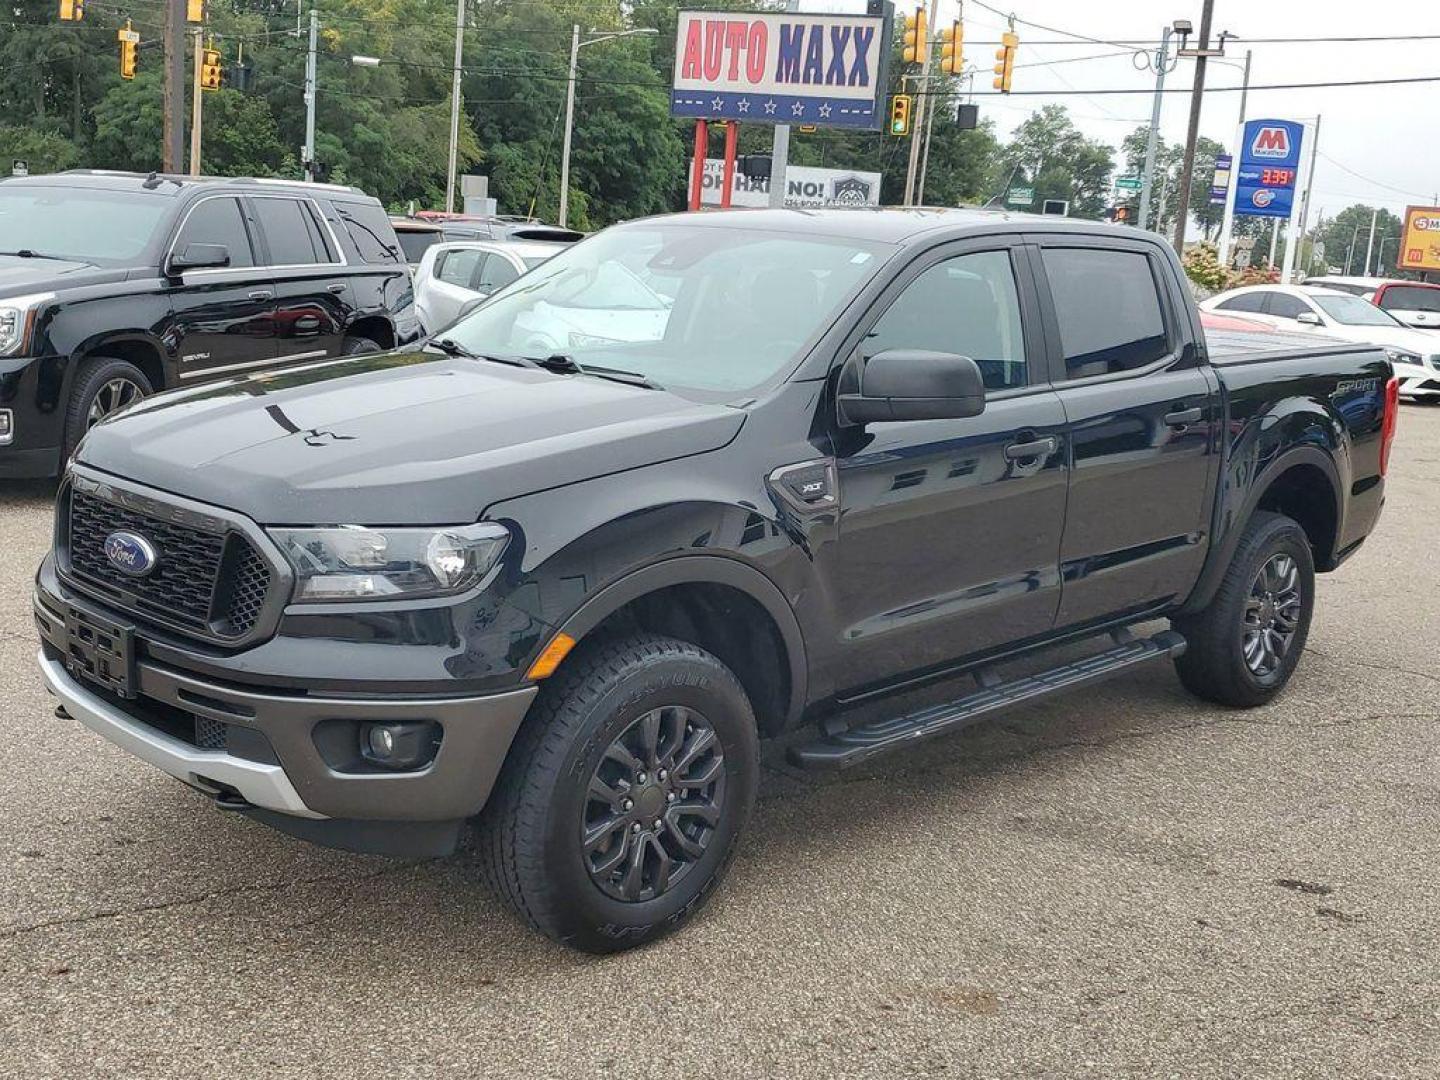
(1387, 426)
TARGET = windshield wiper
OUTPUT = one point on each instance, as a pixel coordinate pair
(27, 253)
(567, 365)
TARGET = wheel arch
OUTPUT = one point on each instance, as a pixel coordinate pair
(142, 350)
(377, 328)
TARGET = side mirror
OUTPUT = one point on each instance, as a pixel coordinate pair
(199, 257)
(910, 384)
(1309, 318)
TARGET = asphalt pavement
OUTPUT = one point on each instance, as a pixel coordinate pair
(1125, 882)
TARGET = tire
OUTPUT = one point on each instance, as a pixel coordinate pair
(1215, 665)
(357, 345)
(530, 839)
(95, 391)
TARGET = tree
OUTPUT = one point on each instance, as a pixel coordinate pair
(1059, 162)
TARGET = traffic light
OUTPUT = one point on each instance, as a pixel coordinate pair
(917, 48)
(129, 43)
(1005, 69)
(72, 10)
(952, 48)
(210, 69)
(900, 106)
(194, 10)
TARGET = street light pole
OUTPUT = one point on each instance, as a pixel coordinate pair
(455, 107)
(1162, 60)
(1235, 155)
(1197, 97)
(575, 46)
(309, 154)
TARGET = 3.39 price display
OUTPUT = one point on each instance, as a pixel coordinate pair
(1277, 177)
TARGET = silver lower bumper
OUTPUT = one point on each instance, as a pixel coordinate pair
(260, 784)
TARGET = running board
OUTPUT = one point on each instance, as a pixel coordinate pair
(844, 748)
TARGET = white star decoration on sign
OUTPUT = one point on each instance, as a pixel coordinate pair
(717, 104)
(743, 105)
(770, 108)
(825, 112)
(798, 109)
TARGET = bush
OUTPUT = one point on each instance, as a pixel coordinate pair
(1202, 266)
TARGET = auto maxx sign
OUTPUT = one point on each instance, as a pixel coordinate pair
(783, 68)
(1269, 164)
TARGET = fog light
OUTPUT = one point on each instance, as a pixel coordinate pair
(400, 745)
(7, 426)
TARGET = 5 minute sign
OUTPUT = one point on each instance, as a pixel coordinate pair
(787, 68)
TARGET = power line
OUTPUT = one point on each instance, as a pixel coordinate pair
(1370, 180)
(1217, 89)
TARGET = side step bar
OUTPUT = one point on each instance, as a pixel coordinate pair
(848, 747)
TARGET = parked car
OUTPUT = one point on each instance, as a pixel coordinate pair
(1345, 316)
(570, 593)
(116, 285)
(416, 238)
(497, 227)
(452, 275)
(1414, 303)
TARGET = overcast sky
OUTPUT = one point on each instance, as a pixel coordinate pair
(1378, 144)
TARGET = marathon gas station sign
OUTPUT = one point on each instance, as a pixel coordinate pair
(784, 68)
(1269, 167)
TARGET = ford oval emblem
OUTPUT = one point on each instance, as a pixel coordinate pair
(131, 553)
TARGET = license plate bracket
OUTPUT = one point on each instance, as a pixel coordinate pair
(100, 651)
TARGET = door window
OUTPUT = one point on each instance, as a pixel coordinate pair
(371, 232)
(1285, 306)
(218, 221)
(1250, 301)
(967, 305)
(289, 232)
(1108, 308)
(496, 274)
(460, 267)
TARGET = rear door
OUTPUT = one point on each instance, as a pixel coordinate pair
(312, 292)
(950, 529)
(453, 284)
(1139, 405)
(223, 319)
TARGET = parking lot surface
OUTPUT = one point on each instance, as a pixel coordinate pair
(1128, 882)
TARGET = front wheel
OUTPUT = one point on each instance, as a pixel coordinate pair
(103, 386)
(1244, 646)
(619, 806)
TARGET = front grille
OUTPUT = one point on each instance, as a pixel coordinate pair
(210, 734)
(213, 584)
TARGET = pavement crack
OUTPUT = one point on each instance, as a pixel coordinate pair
(11, 932)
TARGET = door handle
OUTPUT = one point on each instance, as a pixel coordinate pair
(1026, 450)
(336, 287)
(262, 294)
(1182, 417)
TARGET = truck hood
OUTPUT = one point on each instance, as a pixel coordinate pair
(21, 276)
(397, 439)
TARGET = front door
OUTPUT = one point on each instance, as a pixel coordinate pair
(223, 319)
(1139, 405)
(312, 294)
(950, 529)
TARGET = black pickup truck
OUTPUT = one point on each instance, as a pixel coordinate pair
(789, 462)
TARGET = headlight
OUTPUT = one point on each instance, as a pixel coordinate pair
(1400, 356)
(17, 321)
(352, 562)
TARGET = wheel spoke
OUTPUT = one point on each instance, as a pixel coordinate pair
(704, 777)
(664, 863)
(621, 754)
(601, 831)
(650, 737)
(604, 792)
(706, 812)
(634, 872)
(692, 849)
(701, 740)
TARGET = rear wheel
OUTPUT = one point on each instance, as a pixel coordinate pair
(1244, 646)
(103, 386)
(358, 345)
(619, 806)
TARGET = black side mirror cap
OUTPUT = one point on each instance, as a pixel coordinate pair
(199, 257)
(910, 384)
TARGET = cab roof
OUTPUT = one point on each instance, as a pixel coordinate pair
(172, 184)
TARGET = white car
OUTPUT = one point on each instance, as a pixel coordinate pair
(1414, 303)
(452, 275)
(1343, 315)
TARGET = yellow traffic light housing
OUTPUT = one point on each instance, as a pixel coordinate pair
(129, 44)
(917, 48)
(195, 11)
(900, 106)
(1005, 69)
(952, 48)
(72, 10)
(210, 69)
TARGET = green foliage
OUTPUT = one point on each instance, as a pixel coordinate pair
(1347, 235)
(1059, 162)
(1202, 266)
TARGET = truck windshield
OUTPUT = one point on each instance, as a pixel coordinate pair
(107, 228)
(700, 307)
(1352, 311)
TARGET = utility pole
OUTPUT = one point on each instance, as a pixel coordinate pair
(197, 108)
(1370, 244)
(569, 127)
(455, 107)
(173, 155)
(1351, 253)
(780, 149)
(925, 152)
(1197, 98)
(1228, 224)
(920, 110)
(1298, 237)
(309, 153)
(1162, 61)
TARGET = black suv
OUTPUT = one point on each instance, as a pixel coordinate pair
(116, 285)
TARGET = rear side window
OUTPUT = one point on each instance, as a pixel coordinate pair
(291, 232)
(1250, 301)
(497, 274)
(372, 232)
(415, 243)
(460, 267)
(1108, 308)
(1410, 298)
(218, 221)
(1285, 306)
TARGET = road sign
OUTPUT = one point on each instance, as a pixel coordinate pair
(1269, 166)
(1420, 243)
(1128, 183)
(1220, 185)
(1020, 196)
(781, 68)
(19, 167)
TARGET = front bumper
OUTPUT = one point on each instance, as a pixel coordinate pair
(275, 753)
